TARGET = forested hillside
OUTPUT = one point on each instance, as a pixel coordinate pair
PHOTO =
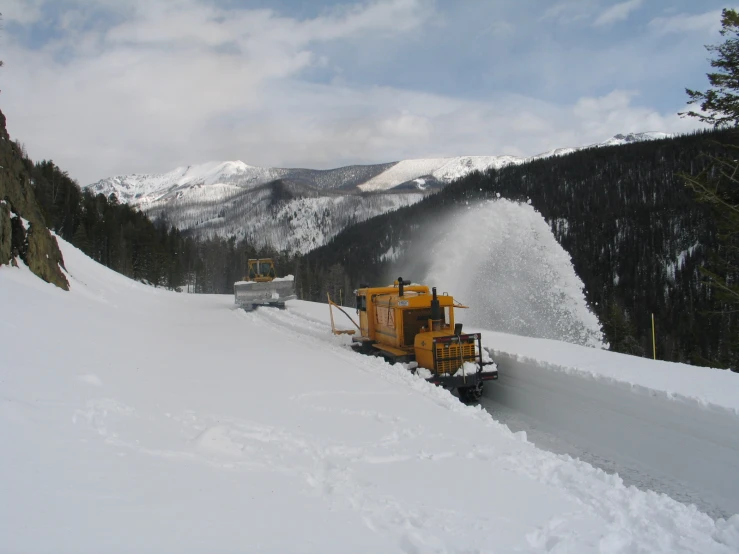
(636, 235)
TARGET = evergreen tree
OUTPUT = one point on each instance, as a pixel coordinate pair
(720, 103)
(718, 185)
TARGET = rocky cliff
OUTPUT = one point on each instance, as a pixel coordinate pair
(23, 231)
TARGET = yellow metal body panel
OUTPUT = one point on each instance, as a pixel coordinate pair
(424, 344)
(394, 351)
(395, 323)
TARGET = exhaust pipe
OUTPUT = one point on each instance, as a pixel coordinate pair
(402, 283)
(435, 311)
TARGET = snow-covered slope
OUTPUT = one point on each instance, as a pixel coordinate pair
(140, 190)
(284, 209)
(263, 432)
(279, 215)
(620, 139)
(224, 178)
(439, 170)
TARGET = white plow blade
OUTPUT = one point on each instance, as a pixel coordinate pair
(249, 293)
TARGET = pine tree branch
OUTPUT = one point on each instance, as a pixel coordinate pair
(709, 195)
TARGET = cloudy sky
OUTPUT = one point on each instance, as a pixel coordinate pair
(107, 87)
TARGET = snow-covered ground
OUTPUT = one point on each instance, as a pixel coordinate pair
(136, 419)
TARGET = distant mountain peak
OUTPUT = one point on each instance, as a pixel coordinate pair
(629, 138)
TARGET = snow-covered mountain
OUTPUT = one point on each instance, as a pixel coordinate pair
(284, 215)
(298, 209)
(618, 140)
(224, 179)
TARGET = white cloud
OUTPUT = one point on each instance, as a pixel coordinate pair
(99, 126)
(178, 82)
(709, 22)
(570, 11)
(617, 12)
(21, 11)
(146, 92)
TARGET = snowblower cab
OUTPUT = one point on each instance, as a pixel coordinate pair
(261, 287)
(410, 323)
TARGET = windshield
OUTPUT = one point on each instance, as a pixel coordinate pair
(266, 269)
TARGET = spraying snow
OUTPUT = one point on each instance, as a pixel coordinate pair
(501, 257)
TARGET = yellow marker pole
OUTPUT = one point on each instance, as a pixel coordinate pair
(654, 342)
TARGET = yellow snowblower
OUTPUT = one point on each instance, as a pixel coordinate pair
(410, 323)
(261, 287)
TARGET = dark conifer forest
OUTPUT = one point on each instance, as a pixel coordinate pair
(636, 234)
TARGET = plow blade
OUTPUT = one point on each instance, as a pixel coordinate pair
(251, 294)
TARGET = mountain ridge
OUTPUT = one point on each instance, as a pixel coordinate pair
(140, 189)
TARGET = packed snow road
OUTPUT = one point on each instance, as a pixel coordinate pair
(687, 451)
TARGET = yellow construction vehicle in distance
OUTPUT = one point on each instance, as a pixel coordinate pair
(410, 323)
(261, 287)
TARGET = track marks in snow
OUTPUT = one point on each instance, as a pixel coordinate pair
(219, 440)
(97, 412)
(329, 469)
(299, 326)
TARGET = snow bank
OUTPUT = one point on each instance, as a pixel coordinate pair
(650, 440)
(706, 386)
(134, 419)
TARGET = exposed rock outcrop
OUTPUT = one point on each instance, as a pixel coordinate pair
(29, 240)
(5, 233)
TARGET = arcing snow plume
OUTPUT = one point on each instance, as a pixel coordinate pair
(501, 258)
